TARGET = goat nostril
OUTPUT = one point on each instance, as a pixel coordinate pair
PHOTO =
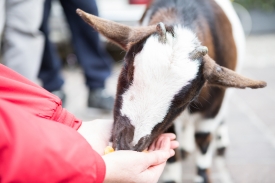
(143, 144)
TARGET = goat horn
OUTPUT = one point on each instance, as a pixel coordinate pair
(120, 34)
(162, 32)
(198, 52)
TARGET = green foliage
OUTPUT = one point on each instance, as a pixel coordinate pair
(268, 5)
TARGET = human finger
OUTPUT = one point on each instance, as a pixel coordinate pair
(171, 136)
(153, 173)
(157, 142)
(161, 142)
(161, 155)
(174, 144)
(156, 157)
(156, 164)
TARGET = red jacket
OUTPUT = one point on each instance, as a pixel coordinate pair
(38, 138)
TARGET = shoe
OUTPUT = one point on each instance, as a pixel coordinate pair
(60, 94)
(98, 98)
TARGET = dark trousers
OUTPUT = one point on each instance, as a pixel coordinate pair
(91, 55)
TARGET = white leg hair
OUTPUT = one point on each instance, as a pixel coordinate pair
(172, 172)
(204, 161)
(211, 126)
(207, 126)
(186, 125)
(222, 139)
(185, 130)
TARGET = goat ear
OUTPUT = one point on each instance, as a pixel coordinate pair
(122, 35)
(221, 76)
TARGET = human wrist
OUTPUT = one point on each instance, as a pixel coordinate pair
(108, 175)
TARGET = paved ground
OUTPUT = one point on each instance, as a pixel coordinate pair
(251, 118)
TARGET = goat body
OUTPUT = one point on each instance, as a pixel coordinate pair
(170, 76)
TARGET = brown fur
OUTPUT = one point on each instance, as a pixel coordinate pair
(167, 16)
(210, 30)
(204, 34)
(202, 94)
(223, 50)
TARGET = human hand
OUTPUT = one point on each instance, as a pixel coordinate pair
(97, 133)
(157, 143)
(132, 166)
(123, 166)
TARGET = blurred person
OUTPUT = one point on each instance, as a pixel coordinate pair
(23, 43)
(93, 58)
(45, 143)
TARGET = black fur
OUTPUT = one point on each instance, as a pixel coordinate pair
(203, 141)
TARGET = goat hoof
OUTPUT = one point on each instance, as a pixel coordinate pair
(221, 151)
(202, 176)
(184, 154)
(172, 159)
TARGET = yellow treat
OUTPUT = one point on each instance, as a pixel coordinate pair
(108, 150)
(145, 151)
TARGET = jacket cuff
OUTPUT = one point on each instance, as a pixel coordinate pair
(101, 168)
(63, 116)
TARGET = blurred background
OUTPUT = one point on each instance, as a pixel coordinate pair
(250, 157)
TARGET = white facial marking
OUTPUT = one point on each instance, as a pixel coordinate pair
(160, 72)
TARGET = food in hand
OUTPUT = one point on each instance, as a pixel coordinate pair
(108, 150)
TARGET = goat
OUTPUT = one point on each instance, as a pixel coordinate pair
(170, 76)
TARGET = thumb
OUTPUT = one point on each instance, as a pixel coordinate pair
(157, 157)
(160, 156)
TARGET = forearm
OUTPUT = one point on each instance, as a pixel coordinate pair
(35, 100)
(33, 149)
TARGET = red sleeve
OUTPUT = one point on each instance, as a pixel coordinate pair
(34, 149)
(16, 89)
